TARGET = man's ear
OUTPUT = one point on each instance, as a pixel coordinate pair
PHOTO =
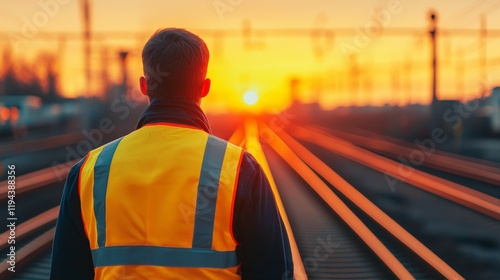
(206, 87)
(144, 85)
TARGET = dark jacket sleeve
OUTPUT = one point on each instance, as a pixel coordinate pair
(264, 249)
(71, 257)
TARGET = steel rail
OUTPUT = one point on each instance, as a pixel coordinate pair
(454, 164)
(460, 194)
(369, 207)
(337, 205)
(253, 146)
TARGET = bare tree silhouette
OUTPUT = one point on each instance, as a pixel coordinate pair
(19, 77)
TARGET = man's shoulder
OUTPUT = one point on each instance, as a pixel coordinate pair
(250, 160)
(249, 166)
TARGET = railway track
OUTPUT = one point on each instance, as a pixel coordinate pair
(33, 145)
(461, 231)
(422, 152)
(342, 225)
(480, 175)
(37, 200)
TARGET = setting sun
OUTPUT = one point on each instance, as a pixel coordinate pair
(250, 98)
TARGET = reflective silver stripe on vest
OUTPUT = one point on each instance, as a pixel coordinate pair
(208, 188)
(163, 256)
(200, 255)
(101, 175)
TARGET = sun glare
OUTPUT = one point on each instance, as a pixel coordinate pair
(250, 98)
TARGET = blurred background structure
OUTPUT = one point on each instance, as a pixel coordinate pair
(407, 88)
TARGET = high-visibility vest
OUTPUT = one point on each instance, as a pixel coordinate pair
(158, 204)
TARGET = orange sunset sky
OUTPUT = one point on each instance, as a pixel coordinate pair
(388, 68)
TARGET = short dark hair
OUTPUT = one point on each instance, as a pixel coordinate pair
(175, 64)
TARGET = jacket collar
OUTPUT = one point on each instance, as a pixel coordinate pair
(180, 112)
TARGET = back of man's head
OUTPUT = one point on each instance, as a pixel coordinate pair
(175, 64)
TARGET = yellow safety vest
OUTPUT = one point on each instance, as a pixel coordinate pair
(158, 204)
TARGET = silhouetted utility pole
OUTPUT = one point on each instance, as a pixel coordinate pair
(248, 42)
(434, 107)
(460, 68)
(294, 90)
(482, 54)
(123, 59)
(367, 82)
(85, 114)
(105, 85)
(86, 43)
(354, 72)
(396, 86)
(407, 81)
(322, 39)
(433, 33)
